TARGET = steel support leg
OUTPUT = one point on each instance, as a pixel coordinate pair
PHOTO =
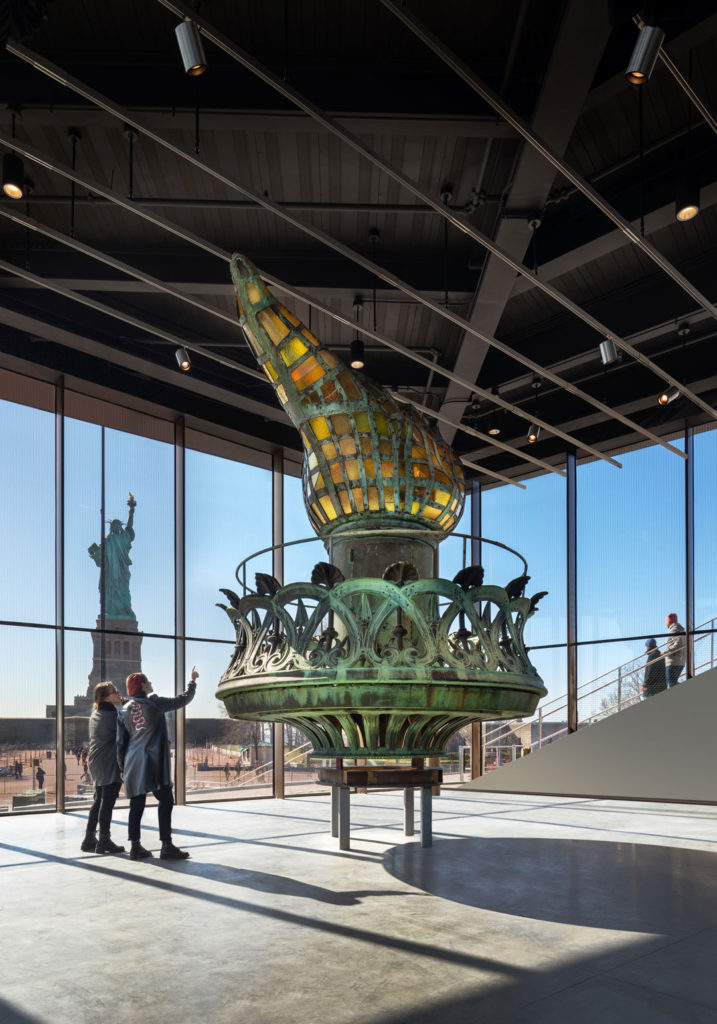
(335, 811)
(344, 817)
(408, 811)
(426, 816)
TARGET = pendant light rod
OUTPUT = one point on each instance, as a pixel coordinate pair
(223, 43)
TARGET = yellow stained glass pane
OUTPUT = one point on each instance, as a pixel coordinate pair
(442, 477)
(417, 436)
(366, 445)
(415, 507)
(311, 338)
(352, 469)
(440, 497)
(417, 452)
(420, 470)
(274, 327)
(341, 424)
(388, 499)
(328, 507)
(385, 447)
(358, 499)
(254, 292)
(240, 311)
(318, 513)
(304, 438)
(288, 315)
(329, 450)
(337, 473)
(368, 467)
(281, 393)
(347, 446)
(431, 513)
(313, 461)
(386, 469)
(270, 371)
(318, 482)
(351, 389)
(362, 424)
(307, 373)
(454, 504)
(329, 358)
(320, 428)
(373, 505)
(345, 503)
(330, 392)
(382, 426)
(294, 349)
(418, 492)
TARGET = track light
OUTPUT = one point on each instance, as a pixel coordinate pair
(13, 176)
(357, 354)
(183, 359)
(644, 55)
(190, 47)
(533, 433)
(608, 352)
(687, 198)
(668, 395)
(494, 430)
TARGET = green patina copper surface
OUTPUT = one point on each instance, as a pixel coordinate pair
(367, 457)
(373, 668)
(112, 557)
(373, 657)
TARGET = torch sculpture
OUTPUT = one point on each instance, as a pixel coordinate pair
(374, 657)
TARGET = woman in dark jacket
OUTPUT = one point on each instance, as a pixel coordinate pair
(104, 768)
(655, 679)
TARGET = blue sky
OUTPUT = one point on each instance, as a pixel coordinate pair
(630, 550)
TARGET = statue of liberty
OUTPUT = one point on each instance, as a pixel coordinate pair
(116, 547)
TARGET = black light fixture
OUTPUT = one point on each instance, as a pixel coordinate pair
(494, 422)
(182, 357)
(644, 54)
(687, 198)
(609, 353)
(668, 395)
(13, 172)
(190, 48)
(357, 347)
(533, 433)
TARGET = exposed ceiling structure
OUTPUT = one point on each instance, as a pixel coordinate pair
(481, 175)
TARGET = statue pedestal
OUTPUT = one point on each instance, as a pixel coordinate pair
(116, 653)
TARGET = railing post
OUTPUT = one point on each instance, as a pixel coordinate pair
(619, 687)
(540, 728)
(712, 643)
(572, 603)
(690, 550)
(277, 499)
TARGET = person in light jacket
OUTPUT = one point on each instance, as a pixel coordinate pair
(102, 763)
(143, 757)
(675, 651)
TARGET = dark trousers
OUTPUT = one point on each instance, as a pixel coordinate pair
(102, 807)
(164, 798)
(673, 674)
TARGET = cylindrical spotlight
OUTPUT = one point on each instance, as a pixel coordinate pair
(644, 54)
(667, 396)
(608, 352)
(494, 429)
(183, 359)
(13, 176)
(190, 47)
(533, 433)
(357, 354)
(687, 198)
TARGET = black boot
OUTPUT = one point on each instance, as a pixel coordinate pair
(105, 845)
(172, 852)
(137, 851)
(89, 843)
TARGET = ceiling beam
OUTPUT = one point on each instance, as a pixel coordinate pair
(575, 58)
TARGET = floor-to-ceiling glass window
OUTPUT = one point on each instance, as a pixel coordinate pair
(705, 476)
(631, 570)
(227, 519)
(27, 595)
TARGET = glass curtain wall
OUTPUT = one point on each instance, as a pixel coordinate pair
(705, 484)
(227, 519)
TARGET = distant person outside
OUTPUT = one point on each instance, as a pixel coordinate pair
(102, 760)
(675, 651)
(40, 776)
(143, 756)
(655, 680)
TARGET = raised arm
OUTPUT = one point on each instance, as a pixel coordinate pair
(130, 519)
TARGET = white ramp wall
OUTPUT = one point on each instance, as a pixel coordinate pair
(661, 749)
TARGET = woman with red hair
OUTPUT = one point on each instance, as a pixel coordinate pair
(143, 755)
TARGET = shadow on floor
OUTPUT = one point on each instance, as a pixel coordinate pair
(622, 886)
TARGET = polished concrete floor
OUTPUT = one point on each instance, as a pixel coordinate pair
(525, 909)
